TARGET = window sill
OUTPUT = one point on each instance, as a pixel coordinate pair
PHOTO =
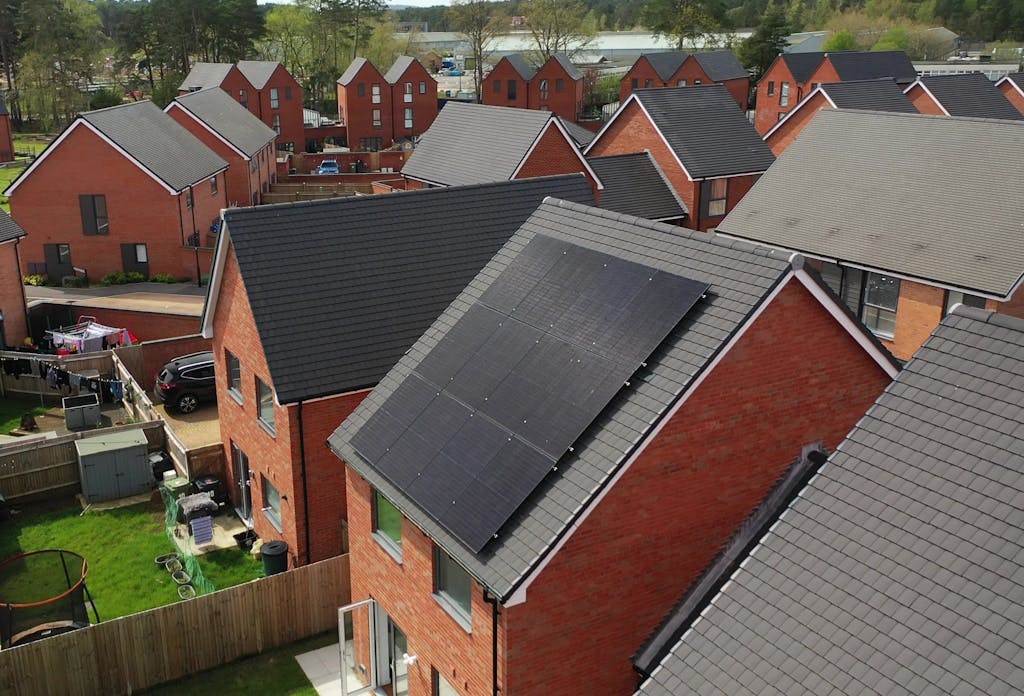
(269, 428)
(274, 520)
(454, 611)
(236, 395)
(388, 544)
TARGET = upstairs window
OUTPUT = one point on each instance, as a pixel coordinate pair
(881, 296)
(234, 375)
(544, 90)
(387, 525)
(718, 192)
(243, 98)
(375, 93)
(681, 83)
(559, 84)
(213, 184)
(361, 89)
(497, 86)
(275, 100)
(453, 588)
(634, 83)
(265, 397)
(277, 124)
(376, 118)
(94, 214)
(407, 97)
(423, 87)
(648, 82)
(771, 88)
(784, 94)
(408, 117)
(288, 93)
(511, 89)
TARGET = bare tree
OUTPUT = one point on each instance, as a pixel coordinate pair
(480, 22)
(559, 26)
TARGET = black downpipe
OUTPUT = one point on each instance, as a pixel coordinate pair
(305, 495)
(493, 601)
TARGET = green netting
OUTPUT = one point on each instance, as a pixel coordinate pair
(188, 560)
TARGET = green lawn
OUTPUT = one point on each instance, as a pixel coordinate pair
(11, 411)
(119, 546)
(7, 175)
(272, 672)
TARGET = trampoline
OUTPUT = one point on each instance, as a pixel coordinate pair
(42, 594)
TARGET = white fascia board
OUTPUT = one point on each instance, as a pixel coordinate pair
(568, 140)
(622, 108)
(220, 257)
(798, 107)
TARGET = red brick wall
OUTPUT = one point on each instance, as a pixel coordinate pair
(642, 71)
(357, 112)
(6, 141)
(146, 326)
(553, 155)
(924, 102)
(290, 110)
(424, 106)
(405, 592)
(140, 209)
(504, 72)
(1014, 95)
(233, 84)
(567, 103)
(779, 140)
(767, 108)
(690, 71)
(12, 298)
(740, 91)
(157, 352)
(659, 526)
(632, 132)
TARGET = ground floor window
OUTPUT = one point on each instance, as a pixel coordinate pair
(271, 502)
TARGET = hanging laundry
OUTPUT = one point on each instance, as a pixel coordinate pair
(51, 377)
(75, 380)
(117, 389)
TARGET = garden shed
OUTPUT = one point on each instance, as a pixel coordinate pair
(114, 465)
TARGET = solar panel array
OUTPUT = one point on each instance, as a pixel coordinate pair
(507, 390)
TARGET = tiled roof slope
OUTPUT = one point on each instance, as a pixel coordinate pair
(721, 65)
(665, 63)
(398, 68)
(1015, 78)
(521, 66)
(258, 72)
(351, 71)
(741, 277)
(869, 95)
(870, 65)
(341, 288)
(229, 119)
(9, 229)
(205, 75)
(970, 94)
(634, 185)
(570, 69)
(157, 142)
(801, 65)
(706, 130)
(475, 143)
(580, 135)
(899, 569)
(908, 194)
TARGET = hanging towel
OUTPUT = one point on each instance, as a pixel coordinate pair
(117, 389)
(76, 380)
(51, 377)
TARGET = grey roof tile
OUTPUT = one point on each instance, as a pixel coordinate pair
(970, 94)
(869, 95)
(9, 229)
(375, 272)
(580, 135)
(475, 143)
(521, 65)
(933, 607)
(706, 130)
(229, 119)
(204, 75)
(398, 68)
(871, 65)
(157, 142)
(568, 66)
(851, 157)
(721, 65)
(604, 446)
(258, 72)
(802, 65)
(350, 72)
(665, 63)
(634, 185)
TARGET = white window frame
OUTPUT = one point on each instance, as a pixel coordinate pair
(234, 370)
(375, 93)
(407, 96)
(443, 565)
(275, 98)
(271, 502)
(381, 535)
(408, 117)
(265, 401)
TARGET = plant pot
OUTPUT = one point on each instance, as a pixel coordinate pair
(173, 565)
(181, 577)
(162, 560)
(186, 591)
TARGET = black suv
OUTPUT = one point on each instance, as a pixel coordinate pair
(186, 381)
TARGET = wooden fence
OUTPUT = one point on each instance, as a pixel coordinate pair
(142, 650)
(43, 467)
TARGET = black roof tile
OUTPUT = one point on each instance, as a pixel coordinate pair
(634, 185)
(970, 94)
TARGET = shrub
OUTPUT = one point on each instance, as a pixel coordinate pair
(122, 278)
(74, 282)
(35, 279)
(164, 278)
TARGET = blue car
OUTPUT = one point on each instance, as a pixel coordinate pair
(328, 167)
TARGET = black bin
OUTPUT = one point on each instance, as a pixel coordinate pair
(275, 557)
(213, 486)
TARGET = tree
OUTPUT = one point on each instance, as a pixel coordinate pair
(894, 39)
(558, 26)
(688, 23)
(844, 40)
(480, 22)
(763, 46)
(103, 98)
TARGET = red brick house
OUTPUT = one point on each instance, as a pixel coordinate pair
(967, 94)
(413, 98)
(13, 316)
(121, 189)
(294, 358)
(900, 268)
(364, 106)
(865, 95)
(558, 87)
(1012, 86)
(703, 144)
(682, 69)
(516, 511)
(238, 137)
(6, 138)
(508, 84)
(263, 87)
(461, 147)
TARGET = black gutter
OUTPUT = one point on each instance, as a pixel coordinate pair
(493, 601)
(305, 492)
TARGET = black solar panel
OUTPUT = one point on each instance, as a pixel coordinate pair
(508, 389)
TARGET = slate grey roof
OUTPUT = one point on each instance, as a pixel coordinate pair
(9, 229)
(970, 94)
(580, 135)
(899, 569)
(258, 72)
(521, 66)
(802, 64)
(906, 193)
(721, 65)
(634, 185)
(474, 143)
(1016, 78)
(570, 69)
(706, 130)
(869, 95)
(229, 119)
(204, 75)
(398, 68)
(740, 276)
(157, 142)
(350, 72)
(870, 65)
(341, 288)
(665, 63)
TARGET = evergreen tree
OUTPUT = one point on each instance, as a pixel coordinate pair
(762, 47)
